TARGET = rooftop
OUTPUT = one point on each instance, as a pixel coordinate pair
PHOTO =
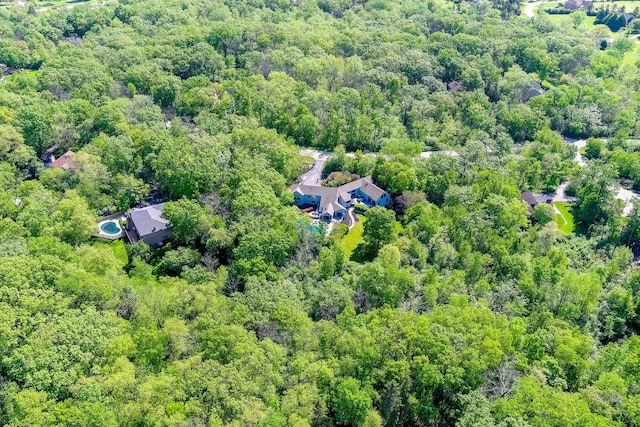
(149, 220)
(67, 161)
(329, 195)
(454, 86)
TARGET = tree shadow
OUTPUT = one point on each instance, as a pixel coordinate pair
(362, 253)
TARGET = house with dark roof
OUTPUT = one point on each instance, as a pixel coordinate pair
(629, 17)
(577, 4)
(454, 87)
(534, 200)
(67, 161)
(534, 89)
(148, 225)
(332, 202)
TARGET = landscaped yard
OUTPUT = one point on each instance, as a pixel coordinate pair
(564, 219)
(353, 238)
(118, 248)
(628, 5)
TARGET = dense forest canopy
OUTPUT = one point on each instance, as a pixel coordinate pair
(458, 305)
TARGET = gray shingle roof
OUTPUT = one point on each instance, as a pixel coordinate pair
(329, 195)
(149, 220)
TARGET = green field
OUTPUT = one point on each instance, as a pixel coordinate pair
(629, 5)
(565, 220)
(558, 19)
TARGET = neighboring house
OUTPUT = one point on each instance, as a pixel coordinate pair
(332, 202)
(454, 87)
(148, 225)
(73, 39)
(629, 17)
(534, 200)
(535, 89)
(67, 161)
(577, 4)
(7, 71)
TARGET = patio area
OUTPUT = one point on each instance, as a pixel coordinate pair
(109, 227)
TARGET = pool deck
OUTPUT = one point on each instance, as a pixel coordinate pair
(115, 218)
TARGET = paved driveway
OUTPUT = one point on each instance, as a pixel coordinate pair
(530, 8)
(314, 175)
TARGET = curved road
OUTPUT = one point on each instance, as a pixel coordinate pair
(314, 175)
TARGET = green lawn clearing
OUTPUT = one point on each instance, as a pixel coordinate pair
(353, 238)
(118, 248)
(629, 6)
(564, 219)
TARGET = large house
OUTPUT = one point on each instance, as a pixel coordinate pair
(148, 225)
(333, 202)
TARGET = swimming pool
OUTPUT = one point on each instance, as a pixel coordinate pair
(110, 227)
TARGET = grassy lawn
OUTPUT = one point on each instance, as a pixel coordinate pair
(353, 238)
(564, 221)
(117, 246)
(628, 5)
(556, 19)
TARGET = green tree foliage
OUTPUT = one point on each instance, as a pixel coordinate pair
(458, 307)
(380, 227)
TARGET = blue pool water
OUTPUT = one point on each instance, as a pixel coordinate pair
(110, 228)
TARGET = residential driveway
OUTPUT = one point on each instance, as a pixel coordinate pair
(314, 175)
(560, 195)
(530, 9)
